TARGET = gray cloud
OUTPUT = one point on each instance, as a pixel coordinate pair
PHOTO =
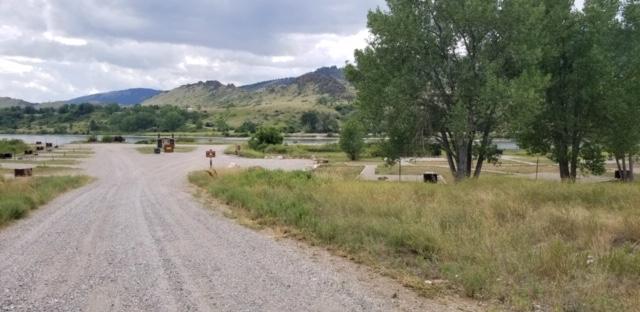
(57, 49)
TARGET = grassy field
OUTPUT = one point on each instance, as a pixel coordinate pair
(18, 197)
(330, 152)
(344, 172)
(510, 242)
(178, 149)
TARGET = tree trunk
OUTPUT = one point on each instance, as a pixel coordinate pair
(483, 153)
(446, 144)
(631, 171)
(575, 152)
(469, 156)
(462, 164)
(563, 162)
(623, 173)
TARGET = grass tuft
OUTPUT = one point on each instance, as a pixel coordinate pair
(18, 197)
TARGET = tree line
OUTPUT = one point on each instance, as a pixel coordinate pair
(89, 118)
(564, 81)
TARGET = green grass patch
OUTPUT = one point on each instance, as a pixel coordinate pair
(178, 149)
(510, 241)
(18, 197)
(329, 152)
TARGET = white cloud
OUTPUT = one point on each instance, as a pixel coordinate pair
(282, 59)
(70, 41)
(8, 66)
(60, 49)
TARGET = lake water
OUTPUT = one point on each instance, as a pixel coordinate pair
(67, 139)
(503, 144)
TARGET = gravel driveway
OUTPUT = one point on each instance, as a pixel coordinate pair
(136, 240)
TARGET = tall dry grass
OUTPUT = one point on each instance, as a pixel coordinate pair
(512, 242)
(18, 197)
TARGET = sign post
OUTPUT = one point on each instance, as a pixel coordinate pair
(211, 154)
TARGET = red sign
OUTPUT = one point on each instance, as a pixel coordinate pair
(211, 154)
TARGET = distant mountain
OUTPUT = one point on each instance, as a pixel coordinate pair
(279, 101)
(123, 97)
(326, 82)
(9, 102)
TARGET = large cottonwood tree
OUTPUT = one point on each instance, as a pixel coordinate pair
(449, 69)
(589, 101)
(620, 42)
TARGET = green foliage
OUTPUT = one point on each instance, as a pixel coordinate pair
(318, 122)
(593, 159)
(588, 57)
(87, 118)
(265, 137)
(107, 139)
(93, 125)
(13, 146)
(222, 125)
(172, 121)
(449, 69)
(248, 127)
(352, 139)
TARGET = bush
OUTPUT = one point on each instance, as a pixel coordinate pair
(352, 139)
(92, 139)
(265, 137)
(13, 146)
(107, 139)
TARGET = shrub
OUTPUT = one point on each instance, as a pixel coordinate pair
(352, 139)
(265, 137)
(107, 139)
(13, 146)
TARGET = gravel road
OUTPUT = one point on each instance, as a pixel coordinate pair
(137, 240)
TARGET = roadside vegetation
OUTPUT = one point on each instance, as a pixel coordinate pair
(508, 241)
(13, 146)
(44, 170)
(19, 196)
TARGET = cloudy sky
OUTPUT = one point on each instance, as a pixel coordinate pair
(60, 49)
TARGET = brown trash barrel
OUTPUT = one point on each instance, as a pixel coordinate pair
(26, 172)
(430, 177)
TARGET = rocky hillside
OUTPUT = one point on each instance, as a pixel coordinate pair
(327, 83)
(276, 101)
